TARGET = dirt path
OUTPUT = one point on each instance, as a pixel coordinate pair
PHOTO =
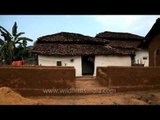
(129, 98)
(88, 83)
(9, 97)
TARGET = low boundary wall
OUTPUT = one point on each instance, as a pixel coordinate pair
(26, 79)
(129, 78)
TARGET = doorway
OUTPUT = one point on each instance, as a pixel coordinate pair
(88, 65)
(158, 57)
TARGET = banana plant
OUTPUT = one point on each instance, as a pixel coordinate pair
(10, 42)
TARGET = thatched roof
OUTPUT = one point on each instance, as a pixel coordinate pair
(76, 49)
(66, 37)
(124, 44)
(152, 33)
(118, 36)
(72, 44)
(121, 40)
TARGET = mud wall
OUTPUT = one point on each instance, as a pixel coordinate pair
(129, 78)
(23, 78)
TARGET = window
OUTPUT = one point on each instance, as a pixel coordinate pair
(144, 58)
(59, 63)
(72, 60)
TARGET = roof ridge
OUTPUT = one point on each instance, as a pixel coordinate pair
(65, 33)
(118, 35)
(64, 37)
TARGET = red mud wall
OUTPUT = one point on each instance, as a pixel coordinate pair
(36, 77)
(129, 78)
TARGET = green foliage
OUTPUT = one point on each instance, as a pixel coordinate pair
(12, 47)
(14, 29)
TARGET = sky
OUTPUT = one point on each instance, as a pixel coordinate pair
(36, 26)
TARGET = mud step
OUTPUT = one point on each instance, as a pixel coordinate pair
(88, 83)
(86, 78)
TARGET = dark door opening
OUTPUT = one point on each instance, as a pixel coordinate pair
(88, 65)
(158, 57)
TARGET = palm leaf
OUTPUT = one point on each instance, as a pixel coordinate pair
(24, 38)
(5, 35)
(1, 42)
(19, 34)
(24, 43)
(18, 43)
(14, 29)
(2, 28)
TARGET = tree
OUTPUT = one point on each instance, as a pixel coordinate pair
(13, 46)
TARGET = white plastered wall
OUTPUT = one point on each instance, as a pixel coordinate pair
(66, 61)
(111, 61)
(142, 56)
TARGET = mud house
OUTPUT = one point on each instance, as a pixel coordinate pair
(127, 41)
(152, 44)
(146, 49)
(85, 53)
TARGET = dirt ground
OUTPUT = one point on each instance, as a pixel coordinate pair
(9, 97)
